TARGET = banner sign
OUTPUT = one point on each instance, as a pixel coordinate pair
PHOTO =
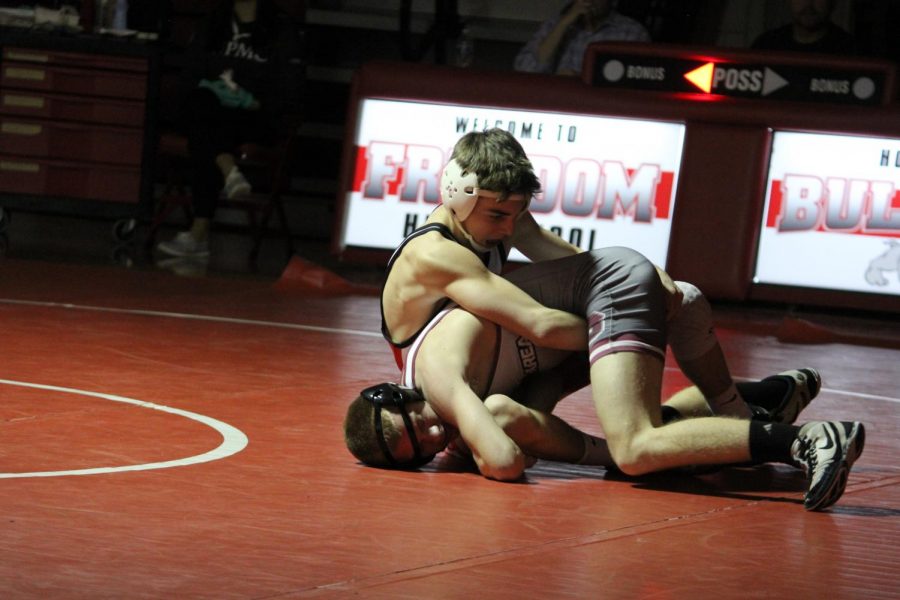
(832, 214)
(605, 181)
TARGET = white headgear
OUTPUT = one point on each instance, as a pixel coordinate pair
(459, 190)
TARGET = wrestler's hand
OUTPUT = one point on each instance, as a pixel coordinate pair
(674, 296)
(458, 449)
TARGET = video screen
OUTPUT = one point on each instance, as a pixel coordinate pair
(832, 213)
(605, 181)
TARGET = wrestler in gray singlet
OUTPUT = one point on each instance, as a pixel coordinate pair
(616, 289)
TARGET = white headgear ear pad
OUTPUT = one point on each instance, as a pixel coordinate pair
(459, 190)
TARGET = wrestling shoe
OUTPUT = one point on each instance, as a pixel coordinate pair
(826, 450)
(803, 386)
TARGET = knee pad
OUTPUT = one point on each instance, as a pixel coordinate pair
(691, 330)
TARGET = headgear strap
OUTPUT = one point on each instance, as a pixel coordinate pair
(391, 394)
(459, 190)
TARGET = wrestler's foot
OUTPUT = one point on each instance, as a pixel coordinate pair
(803, 386)
(826, 450)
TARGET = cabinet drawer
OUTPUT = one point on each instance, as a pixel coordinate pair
(75, 59)
(112, 84)
(49, 139)
(72, 108)
(47, 177)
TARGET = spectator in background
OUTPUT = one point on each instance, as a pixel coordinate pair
(559, 44)
(239, 72)
(810, 30)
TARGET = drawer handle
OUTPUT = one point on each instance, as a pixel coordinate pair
(21, 128)
(23, 101)
(28, 74)
(21, 167)
(29, 56)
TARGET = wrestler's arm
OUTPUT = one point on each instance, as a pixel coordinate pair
(537, 243)
(496, 455)
(459, 274)
(543, 435)
(525, 416)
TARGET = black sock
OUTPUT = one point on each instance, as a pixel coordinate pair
(771, 442)
(768, 393)
(669, 414)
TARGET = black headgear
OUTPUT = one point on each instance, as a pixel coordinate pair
(391, 394)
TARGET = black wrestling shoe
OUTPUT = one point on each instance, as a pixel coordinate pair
(803, 386)
(826, 450)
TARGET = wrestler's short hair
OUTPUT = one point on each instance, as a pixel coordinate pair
(360, 435)
(388, 396)
(500, 162)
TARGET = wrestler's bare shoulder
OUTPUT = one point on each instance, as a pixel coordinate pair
(433, 255)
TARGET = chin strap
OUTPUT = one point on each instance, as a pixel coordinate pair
(475, 245)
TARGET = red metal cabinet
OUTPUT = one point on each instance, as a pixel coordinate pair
(72, 124)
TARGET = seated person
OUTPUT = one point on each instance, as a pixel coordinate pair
(559, 44)
(452, 364)
(242, 83)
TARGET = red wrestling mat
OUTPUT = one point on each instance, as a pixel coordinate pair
(210, 410)
(802, 331)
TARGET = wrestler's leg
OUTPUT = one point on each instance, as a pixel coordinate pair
(624, 304)
(626, 388)
(696, 349)
(695, 346)
(687, 403)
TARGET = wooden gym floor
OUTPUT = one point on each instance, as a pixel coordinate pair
(180, 437)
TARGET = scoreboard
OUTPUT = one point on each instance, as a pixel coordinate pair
(754, 175)
(773, 76)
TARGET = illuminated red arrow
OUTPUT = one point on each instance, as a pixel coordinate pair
(702, 76)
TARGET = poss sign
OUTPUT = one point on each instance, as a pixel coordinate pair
(738, 75)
